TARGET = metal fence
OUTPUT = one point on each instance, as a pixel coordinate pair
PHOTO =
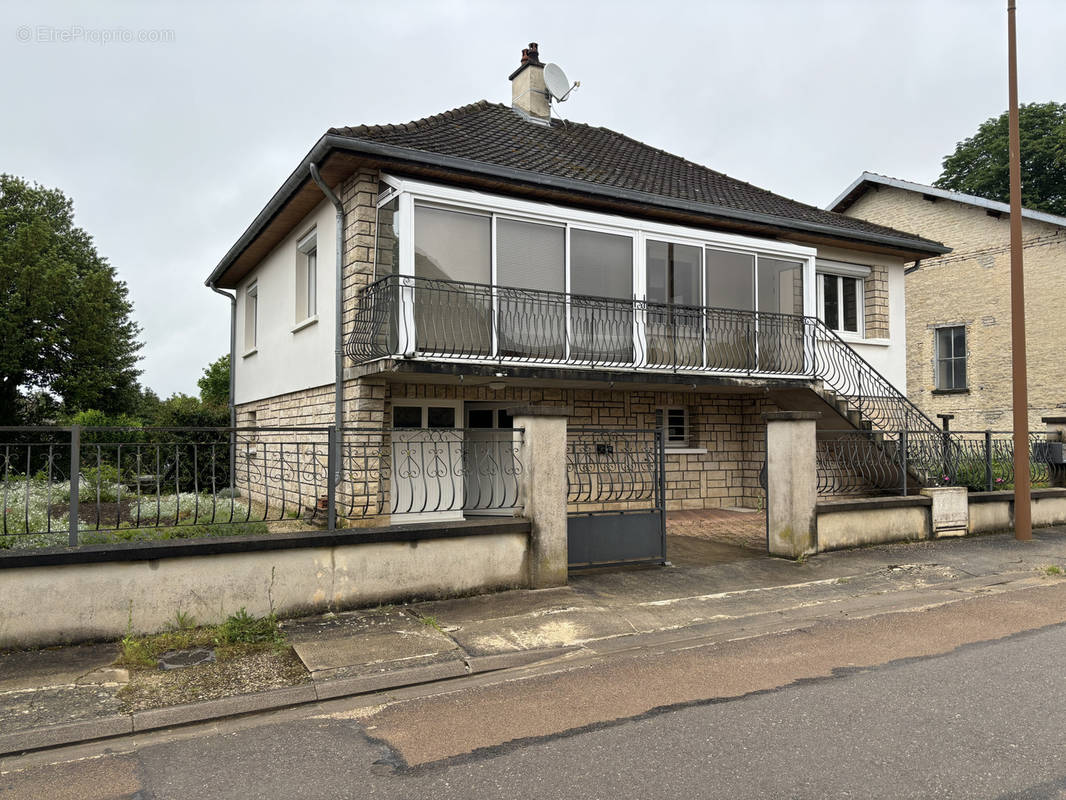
(610, 469)
(855, 462)
(74, 485)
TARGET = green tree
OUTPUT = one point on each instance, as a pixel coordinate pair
(65, 326)
(979, 164)
(214, 383)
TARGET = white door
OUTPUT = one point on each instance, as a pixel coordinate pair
(491, 477)
(426, 482)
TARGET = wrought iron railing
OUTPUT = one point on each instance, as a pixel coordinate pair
(428, 318)
(867, 391)
(874, 462)
(983, 460)
(856, 462)
(612, 468)
(76, 485)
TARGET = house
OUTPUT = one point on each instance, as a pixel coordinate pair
(958, 303)
(494, 257)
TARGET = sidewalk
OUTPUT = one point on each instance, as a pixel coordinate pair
(63, 695)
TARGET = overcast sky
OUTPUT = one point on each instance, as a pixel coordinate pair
(169, 147)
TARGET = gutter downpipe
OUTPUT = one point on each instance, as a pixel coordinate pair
(232, 374)
(338, 388)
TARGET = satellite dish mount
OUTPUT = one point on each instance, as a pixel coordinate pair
(556, 84)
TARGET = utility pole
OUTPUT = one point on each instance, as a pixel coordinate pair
(1023, 514)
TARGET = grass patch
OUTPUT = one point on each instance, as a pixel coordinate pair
(1053, 569)
(431, 622)
(239, 635)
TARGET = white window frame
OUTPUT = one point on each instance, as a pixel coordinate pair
(306, 294)
(662, 415)
(840, 269)
(251, 318)
(411, 192)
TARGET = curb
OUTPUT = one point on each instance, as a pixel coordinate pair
(99, 728)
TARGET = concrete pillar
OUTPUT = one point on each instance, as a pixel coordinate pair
(791, 483)
(544, 490)
(1056, 432)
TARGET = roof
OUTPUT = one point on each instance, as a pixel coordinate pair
(493, 141)
(861, 184)
(493, 133)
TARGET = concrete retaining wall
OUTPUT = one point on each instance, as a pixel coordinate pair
(854, 523)
(864, 521)
(99, 598)
(994, 511)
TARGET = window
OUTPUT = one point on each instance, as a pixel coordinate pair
(780, 285)
(307, 277)
(452, 246)
(675, 294)
(601, 265)
(387, 244)
(532, 324)
(951, 358)
(730, 280)
(674, 422)
(840, 302)
(251, 317)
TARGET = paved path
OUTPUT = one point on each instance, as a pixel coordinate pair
(54, 697)
(963, 701)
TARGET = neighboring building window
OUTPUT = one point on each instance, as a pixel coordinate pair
(674, 421)
(251, 316)
(307, 277)
(951, 358)
(840, 302)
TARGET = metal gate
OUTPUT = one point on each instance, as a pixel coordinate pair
(616, 497)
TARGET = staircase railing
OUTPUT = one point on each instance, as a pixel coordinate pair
(870, 393)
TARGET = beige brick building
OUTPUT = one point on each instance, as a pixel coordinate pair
(964, 296)
(491, 258)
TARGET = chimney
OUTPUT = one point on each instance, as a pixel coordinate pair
(528, 94)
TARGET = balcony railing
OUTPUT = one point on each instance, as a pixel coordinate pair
(447, 320)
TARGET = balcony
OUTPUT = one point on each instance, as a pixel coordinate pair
(408, 317)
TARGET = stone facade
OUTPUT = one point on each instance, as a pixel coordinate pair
(971, 286)
(719, 467)
(726, 446)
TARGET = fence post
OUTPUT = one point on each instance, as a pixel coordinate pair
(903, 442)
(75, 482)
(791, 483)
(544, 491)
(331, 485)
(660, 435)
(989, 480)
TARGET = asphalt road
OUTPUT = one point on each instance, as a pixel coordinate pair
(918, 714)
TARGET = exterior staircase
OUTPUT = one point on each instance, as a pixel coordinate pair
(871, 438)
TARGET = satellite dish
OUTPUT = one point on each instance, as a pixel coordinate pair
(556, 82)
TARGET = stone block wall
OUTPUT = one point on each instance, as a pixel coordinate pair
(727, 426)
(971, 286)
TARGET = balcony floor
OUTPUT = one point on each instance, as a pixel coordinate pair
(431, 371)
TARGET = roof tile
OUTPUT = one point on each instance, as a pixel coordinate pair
(495, 134)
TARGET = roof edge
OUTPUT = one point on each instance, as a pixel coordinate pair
(332, 141)
(857, 188)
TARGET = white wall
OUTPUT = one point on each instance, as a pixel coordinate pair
(287, 360)
(888, 356)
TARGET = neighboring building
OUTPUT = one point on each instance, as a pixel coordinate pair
(494, 257)
(958, 304)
